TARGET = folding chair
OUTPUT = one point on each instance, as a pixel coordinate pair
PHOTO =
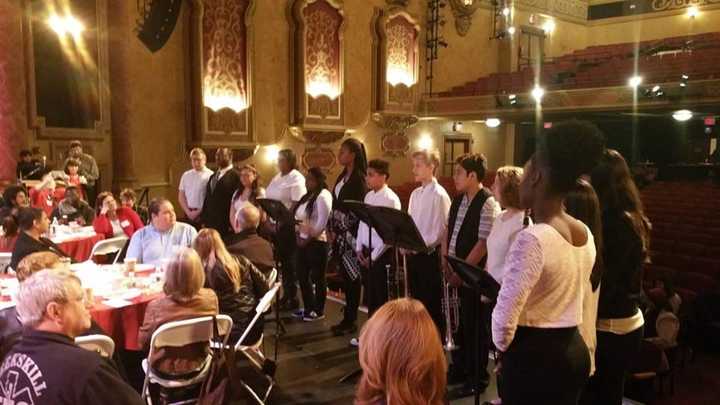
(254, 353)
(101, 344)
(181, 333)
(108, 246)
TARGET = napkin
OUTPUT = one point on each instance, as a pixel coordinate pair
(117, 302)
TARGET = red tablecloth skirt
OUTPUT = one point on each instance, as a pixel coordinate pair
(79, 249)
(123, 324)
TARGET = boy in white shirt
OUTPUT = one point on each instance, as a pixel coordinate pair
(374, 262)
(191, 193)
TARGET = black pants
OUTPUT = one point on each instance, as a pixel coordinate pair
(352, 297)
(425, 284)
(544, 366)
(311, 263)
(285, 246)
(613, 356)
(473, 335)
(375, 282)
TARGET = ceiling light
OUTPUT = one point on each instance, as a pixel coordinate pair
(548, 26)
(492, 122)
(538, 93)
(693, 11)
(682, 115)
(635, 81)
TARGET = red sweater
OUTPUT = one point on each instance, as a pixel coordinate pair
(129, 222)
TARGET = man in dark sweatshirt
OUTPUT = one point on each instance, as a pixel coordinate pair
(46, 367)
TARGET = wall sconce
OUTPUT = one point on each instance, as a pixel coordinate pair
(271, 153)
(425, 142)
(397, 74)
(217, 102)
(66, 25)
(321, 87)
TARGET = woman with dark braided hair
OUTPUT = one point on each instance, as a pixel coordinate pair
(543, 357)
(350, 185)
(312, 214)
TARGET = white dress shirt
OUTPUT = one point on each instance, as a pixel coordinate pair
(287, 189)
(193, 184)
(318, 218)
(384, 197)
(544, 283)
(429, 207)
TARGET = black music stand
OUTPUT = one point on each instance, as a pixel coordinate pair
(482, 283)
(279, 213)
(395, 227)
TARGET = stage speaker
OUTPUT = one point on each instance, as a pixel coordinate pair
(157, 22)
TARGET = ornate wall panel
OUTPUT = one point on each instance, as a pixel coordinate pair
(317, 63)
(222, 80)
(398, 60)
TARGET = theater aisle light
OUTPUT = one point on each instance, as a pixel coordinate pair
(425, 142)
(682, 115)
(635, 81)
(271, 153)
(693, 11)
(68, 24)
(492, 122)
(538, 93)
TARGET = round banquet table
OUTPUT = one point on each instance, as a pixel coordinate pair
(79, 247)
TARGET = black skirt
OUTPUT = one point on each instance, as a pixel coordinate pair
(544, 366)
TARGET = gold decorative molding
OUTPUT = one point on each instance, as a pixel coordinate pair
(395, 141)
(463, 14)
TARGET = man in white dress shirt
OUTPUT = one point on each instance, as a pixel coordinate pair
(429, 207)
(375, 261)
(193, 183)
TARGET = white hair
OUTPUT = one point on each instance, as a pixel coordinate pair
(248, 216)
(42, 288)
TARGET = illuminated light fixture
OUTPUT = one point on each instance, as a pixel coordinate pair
(271, 153)
(317, 88)
(468, 2)
(218, 102)
(492, 122)
(538, 93)
(656, 88)
(684, 80)
(66, 25)
(397, 74)
(513, 99)
(511, 30)
(693, 11)
(425, 142)
(548, 26)
(547, 125)
(506, 11)
(457, 126)
(635, 81)
(682, 115)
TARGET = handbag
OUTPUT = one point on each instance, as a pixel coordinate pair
(218, 387)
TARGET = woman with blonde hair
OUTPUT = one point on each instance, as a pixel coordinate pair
(238, 284)
(184, 298)
(401, 357)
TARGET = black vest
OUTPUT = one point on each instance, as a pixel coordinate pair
(468, 235)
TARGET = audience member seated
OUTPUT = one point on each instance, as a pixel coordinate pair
(43, 195)
(46, 366)
(14, 198)
(9, 236)
(10, 325)
(27, 168)
(401, 357)
(88, 167)
(111, 220)
(33, 223)
(73, 208)
(72, 169)
(185, 298)
(128, 199)
(248, 243)
(238, 284)
(163, 237)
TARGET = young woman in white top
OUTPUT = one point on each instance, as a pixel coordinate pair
(288, 187)
(312, 214)
(535, 322)
(248, 191)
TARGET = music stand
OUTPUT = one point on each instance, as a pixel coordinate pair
(395, 227)
(279, 213)
(482, 283)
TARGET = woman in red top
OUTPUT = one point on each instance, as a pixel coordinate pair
(43, 194)
(111, 220)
